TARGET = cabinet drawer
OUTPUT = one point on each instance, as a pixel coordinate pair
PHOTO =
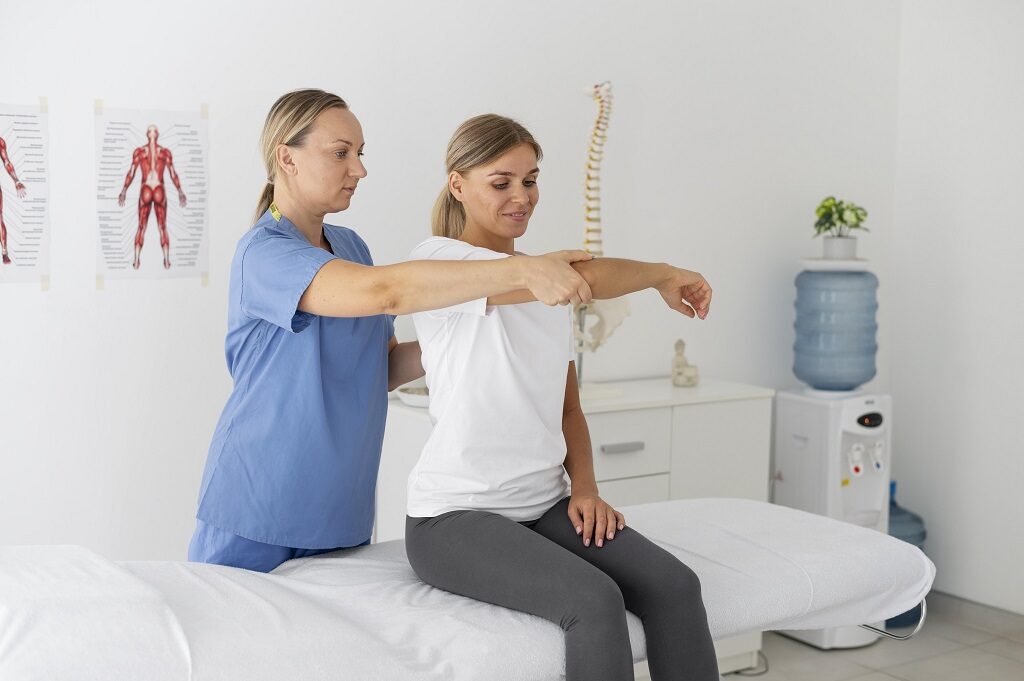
(645, 490)
(631, 443)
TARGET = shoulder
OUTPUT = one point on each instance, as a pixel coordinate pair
(264, 235)
(443, 248)
(256, 234)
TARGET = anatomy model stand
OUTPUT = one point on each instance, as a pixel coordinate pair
(153, 159)
(18, 187)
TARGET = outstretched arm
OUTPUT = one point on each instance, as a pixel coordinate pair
(18, 185)
(346, 289)
(136, 157)
(174, 177)
(684, 291)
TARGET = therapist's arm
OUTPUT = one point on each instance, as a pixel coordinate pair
(592, 517)
(403, 363)
(685, 291)
(346, 289)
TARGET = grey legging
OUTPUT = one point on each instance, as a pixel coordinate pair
(541, 567)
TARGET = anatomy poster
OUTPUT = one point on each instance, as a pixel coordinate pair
(151, 193)
(24, 194)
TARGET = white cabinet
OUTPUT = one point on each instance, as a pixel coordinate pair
(651, 442)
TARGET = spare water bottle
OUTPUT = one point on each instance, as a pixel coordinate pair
(908, 527)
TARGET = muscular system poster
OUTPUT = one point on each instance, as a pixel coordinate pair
(24, 193)
(151, 193)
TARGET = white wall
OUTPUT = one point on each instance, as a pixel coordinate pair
(732, 120)
(956, 305)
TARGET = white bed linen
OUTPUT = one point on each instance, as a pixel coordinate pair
(67, 613)
(363, 614)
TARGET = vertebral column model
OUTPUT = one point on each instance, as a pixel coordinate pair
(592, 241)
(153, 159)
(18, 187)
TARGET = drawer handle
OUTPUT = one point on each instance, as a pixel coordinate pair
(622, 448)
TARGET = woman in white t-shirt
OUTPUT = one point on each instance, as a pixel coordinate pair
(490, 513)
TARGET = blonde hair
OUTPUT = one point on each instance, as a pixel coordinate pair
(479, 140)
(289, 121)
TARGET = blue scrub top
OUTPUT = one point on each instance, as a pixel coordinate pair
(295, 454)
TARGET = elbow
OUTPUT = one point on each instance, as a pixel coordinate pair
(387, 296)
(391, 302)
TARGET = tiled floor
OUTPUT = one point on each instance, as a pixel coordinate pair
(960, 641)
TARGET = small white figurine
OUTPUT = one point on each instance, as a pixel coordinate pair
(684, 374)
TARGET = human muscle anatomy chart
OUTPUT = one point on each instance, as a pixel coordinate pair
(24, 189)
(151, 193)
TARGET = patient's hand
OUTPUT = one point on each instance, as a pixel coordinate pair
(683, 286)
(594, 519)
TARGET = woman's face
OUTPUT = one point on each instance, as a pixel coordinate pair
(327, 166)
(500, 196)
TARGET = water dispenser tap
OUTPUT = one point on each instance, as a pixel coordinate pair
(856, 459)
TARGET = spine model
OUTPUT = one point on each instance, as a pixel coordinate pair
(592, 242)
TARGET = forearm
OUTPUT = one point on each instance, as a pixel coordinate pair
(607, 278)
(404, 364)
(579, 456)
(345, 289)
(614, 277)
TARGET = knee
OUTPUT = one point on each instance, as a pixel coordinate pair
(597, 600)
(681, 584)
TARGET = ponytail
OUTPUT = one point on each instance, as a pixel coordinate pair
(266, 198)
(449, 217)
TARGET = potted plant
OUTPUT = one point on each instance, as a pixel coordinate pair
(837, 219)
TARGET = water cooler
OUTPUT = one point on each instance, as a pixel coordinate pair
(831, 457)
(831, 448)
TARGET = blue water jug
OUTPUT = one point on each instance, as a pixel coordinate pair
(835, 329)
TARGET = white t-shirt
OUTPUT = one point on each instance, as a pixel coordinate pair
(496, 376)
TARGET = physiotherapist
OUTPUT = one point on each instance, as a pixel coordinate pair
(292, 465)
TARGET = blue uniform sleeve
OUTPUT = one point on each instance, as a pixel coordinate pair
(275, 272)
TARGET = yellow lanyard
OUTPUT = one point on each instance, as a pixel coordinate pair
(275, 212)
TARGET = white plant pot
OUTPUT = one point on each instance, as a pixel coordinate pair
(840, 248)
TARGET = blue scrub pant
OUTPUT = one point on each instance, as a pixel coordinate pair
(213, 545)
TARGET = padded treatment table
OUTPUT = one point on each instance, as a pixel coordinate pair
(361, 613)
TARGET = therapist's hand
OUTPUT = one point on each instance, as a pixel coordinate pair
(594, 519)
(552, 280)
(685, 291)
